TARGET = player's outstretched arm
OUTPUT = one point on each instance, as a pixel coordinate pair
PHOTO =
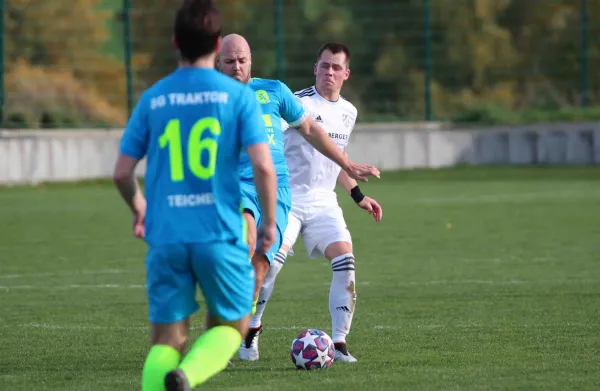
(364, 202)
(130, 191)
(265, 180)
(316, 136)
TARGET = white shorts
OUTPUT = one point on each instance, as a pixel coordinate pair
(320, 225)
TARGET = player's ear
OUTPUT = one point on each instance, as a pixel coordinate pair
(315, 69)
(347, 74)
(218, 45)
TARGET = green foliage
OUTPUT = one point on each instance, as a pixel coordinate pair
(58, 120)
(38, 97)
(490, 114)
(19, 120)
(63, 37)
(485, 114)
(496, 61)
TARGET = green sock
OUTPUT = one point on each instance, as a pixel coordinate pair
(210, 354)
(254, 307)
(160, 360)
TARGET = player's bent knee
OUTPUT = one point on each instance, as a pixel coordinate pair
(285, 248)
(336, 249)
(261, 267)
(260, 262)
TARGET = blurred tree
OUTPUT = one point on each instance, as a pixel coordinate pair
(152, 29)
(35, 93)
(547, 37)
(152, 25)
(65, 36)
(502, 53)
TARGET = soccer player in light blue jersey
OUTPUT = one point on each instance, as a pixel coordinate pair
(278, 103)
(191, 126)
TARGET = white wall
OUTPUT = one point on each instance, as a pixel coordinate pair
(38, 156)
(560, 143)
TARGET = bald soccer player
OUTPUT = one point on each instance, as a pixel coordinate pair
(277, 102)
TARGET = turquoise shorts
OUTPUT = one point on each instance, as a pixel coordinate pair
(220, 269)
(251, 204)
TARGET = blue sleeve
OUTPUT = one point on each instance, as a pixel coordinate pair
(134, 142)
(250, 123)
(291, 109)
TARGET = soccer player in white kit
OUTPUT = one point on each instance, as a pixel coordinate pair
(315, 212)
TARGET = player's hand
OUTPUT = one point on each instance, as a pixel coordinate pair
(373, 207)
(139, 228)
(361, 172)
(139, 216)
(265, 237)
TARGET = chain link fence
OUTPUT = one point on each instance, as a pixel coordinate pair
(83, 63)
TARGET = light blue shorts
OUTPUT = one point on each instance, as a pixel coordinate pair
(251, 204)
(220, 269)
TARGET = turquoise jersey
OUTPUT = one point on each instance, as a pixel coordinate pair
(277, 102)
(191, 126)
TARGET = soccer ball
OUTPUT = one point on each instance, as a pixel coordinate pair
(312, 349)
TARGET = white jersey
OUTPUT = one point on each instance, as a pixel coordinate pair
(312, 175)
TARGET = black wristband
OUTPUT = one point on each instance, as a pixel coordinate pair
(356, 194)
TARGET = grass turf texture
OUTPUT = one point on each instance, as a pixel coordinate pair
(477, 278)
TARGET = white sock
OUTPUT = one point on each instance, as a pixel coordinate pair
(266, 290)
(342, 296)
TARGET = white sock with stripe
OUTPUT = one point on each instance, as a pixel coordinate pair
(342, 296)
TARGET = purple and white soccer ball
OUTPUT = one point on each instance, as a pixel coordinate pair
(312, 349)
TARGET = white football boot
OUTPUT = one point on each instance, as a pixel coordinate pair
(249, 349)
(342, 354)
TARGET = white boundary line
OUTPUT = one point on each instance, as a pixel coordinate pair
(433, 326)
(54, 274)
(50, 326)
(8, 288)
(506, 198)
(70, 287)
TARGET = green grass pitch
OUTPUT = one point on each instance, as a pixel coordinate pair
(476, 279)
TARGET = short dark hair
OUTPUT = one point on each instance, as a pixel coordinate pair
(335, 48)
(197, 28)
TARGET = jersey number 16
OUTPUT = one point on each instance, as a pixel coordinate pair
(171, 137)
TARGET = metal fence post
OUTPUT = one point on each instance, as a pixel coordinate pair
(583, 57)
(427, 6)
(279, 44)
(128, 53)
(2, 72)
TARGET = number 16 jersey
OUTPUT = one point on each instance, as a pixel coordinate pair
(191, 126)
